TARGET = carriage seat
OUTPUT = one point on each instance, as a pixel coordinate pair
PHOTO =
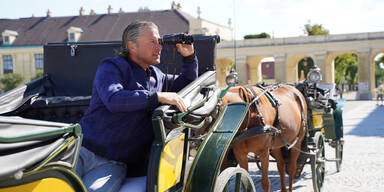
(327, 90)
(65, 109)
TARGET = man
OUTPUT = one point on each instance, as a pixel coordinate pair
(117, 126)
(380, 92)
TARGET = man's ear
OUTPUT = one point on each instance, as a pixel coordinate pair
(131, 46)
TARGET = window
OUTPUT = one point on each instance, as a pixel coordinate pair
(71, 36)
(6, 40)
(39, 61)
(9, 36)
(74, 34)
(7, 64)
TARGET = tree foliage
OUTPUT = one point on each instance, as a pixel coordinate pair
(379, 70)
(304, 65)
(315, 29)
(39, 73)
(230, 67)
(11, 81)
(346, 69)
(257, 36)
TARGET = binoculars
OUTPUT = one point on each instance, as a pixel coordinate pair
(172, 39)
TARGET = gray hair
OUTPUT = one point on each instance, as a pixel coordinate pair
(132, 33)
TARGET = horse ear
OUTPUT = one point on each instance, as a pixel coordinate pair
(243, 93)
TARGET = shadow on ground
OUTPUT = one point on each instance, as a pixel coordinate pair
(274, 178)
(371, 126)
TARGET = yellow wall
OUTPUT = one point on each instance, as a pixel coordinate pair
(23, 60)
(221, 70)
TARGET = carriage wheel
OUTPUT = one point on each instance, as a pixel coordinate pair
(339, 154)
(318, 163)
(234, 179)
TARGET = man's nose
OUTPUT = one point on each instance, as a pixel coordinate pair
(159, 46)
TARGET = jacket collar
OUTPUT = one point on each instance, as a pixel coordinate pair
(136, 66)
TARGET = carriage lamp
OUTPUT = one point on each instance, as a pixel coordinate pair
(314, 75)
(232, 78)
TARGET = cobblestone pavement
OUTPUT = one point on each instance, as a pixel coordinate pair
(363, 155)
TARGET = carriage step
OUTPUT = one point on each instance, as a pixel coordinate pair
(333, 159)
(320, 160)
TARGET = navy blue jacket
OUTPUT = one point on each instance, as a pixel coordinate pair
(117, 125)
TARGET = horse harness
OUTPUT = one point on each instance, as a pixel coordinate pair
(253, 100)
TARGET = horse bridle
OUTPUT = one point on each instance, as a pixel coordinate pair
(253, 99)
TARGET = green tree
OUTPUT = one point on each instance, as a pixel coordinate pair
(257, 36)
(315, 29)
(39, 73)
(229, 67)
(346, 69)
(379, 71)
(11, 81)
(304, 65)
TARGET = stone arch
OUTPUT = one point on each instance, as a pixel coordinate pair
(331, 56)
(374, 55)
(291, 67)
(255, 72)
(308, 62)
(268, 65)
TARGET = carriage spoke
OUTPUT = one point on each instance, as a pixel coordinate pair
(238, 182)
(226, 188)
(318, 162)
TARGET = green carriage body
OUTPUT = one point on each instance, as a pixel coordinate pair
(328, 120)
(325, 125)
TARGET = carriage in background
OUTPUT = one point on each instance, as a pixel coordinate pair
(40, 137)
(325, 125)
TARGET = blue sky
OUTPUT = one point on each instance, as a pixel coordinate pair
(280, 18)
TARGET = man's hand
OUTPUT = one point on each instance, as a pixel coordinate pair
(172, 99)
(185, 49)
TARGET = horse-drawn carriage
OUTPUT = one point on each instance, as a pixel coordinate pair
(192, 151)
(325, 125)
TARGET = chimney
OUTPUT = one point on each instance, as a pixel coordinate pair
(48, 13)
(92, 12)
(198, 12)
(121, 10)
(109, 9)
(173, 5)
(81, 11)
(143, 9)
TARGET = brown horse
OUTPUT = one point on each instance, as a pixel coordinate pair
(292, 114)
